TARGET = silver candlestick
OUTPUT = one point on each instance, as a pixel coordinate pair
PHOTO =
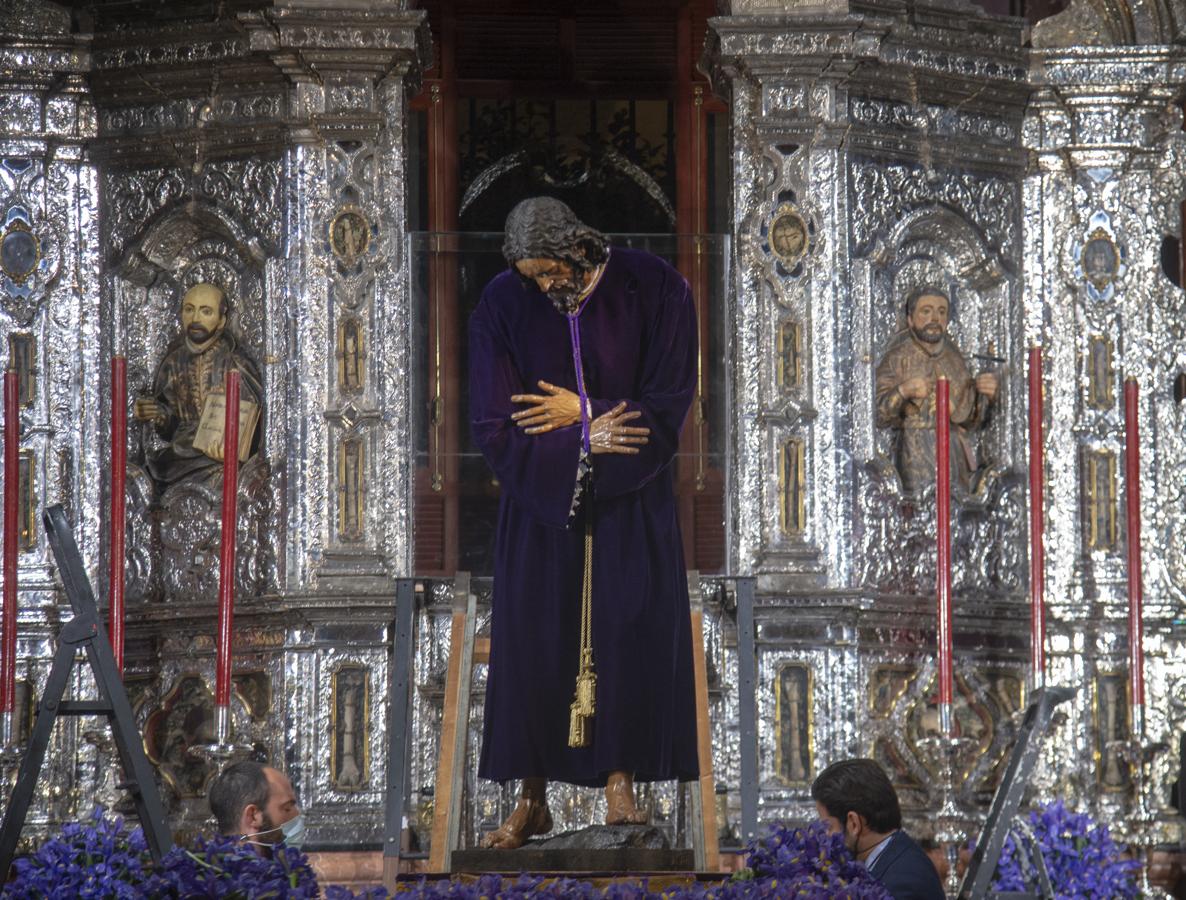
(1139, 828)
(224, 749)
(953, 821)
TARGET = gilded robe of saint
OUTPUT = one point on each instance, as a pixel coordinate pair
(182, 382)
(914, 420)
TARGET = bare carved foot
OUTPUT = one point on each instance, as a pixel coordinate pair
(531, 816)
(619, 801)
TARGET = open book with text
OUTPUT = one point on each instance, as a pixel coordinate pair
(213, 422)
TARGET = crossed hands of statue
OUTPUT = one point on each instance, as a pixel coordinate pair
(609, 433)
(558, 407)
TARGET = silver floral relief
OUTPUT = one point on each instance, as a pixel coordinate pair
(248, 191)
(179, 115)
(190, 535)
(178, 46)
(938, 119)
(32, 234)
(882, 193)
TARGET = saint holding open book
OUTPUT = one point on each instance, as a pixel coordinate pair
(187, 403)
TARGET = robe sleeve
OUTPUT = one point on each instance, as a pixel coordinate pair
(889, 398)
(666, 389)
(539, 471)
(163, 394)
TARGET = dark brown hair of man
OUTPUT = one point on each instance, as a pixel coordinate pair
(860, 786)
(239, 786)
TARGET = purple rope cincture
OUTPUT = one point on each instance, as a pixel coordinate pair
(574, 332)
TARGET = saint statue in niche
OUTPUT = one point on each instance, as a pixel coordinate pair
(906, 376)
(187, 385)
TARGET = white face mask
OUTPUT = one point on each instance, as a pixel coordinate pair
(292, 833)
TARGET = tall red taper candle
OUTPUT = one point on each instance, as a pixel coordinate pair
(119, 471)
(1132, 503)
(1037, 520)
(226, 560)
(12, 481)
(943, 533)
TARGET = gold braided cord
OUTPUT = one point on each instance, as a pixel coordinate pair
(584, 703)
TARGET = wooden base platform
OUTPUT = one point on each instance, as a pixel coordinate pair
(655, 881)
(584, 860)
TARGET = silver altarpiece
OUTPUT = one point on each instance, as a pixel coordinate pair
(900, 144)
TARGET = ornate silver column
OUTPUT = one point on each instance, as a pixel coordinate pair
(49, 320)
(266, 152)
(1102, 241)
(874, 152)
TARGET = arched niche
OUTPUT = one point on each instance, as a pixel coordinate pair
(183, 244)
(173, 534)
(1113, 23)
(936, 246)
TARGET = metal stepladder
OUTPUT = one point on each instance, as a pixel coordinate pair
(83, 632)
(467, 650)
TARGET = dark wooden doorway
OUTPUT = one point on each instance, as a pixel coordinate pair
(599, 104)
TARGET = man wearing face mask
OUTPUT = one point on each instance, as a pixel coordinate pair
(257, 803)
(855, 798)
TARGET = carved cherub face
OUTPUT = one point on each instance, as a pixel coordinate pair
(203, 314)
(927, 318)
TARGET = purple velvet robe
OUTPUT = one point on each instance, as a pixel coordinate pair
(638, 343)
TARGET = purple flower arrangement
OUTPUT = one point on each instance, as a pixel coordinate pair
(87, 860)
(809, 862)
(100, 859)
(1081, 858)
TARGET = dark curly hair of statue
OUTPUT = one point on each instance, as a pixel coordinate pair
(545, 228)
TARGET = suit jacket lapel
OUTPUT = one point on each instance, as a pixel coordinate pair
(893, 850)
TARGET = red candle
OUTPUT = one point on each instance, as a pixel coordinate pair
(119, 468)
(1132, 502)
(226, 560)
(1037, 507)
(943, 533)
(12, 479)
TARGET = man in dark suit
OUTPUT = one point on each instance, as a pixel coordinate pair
(856, 799)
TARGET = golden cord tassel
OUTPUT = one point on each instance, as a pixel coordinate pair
(584, 705)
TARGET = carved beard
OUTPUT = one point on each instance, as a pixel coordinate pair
(929, 334)
(566, 298)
